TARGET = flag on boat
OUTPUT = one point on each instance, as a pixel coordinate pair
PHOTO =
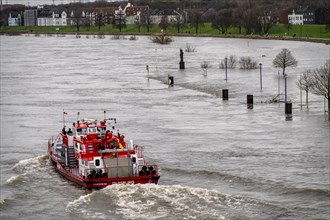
(65, 113)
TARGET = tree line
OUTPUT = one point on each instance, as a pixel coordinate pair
(254, 16)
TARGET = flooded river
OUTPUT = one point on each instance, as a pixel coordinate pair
(217, 159)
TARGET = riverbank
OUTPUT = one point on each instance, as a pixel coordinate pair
(309, 33)
(287, 38)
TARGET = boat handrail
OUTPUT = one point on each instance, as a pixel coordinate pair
(114, 150)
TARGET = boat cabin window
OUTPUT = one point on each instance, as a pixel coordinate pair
(97, 162)
(59, 145)
(81, 131)
(101, 130)
(91, 130)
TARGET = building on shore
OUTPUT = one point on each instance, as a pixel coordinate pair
(30, 17)
(15, 20)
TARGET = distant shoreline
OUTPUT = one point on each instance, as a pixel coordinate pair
(254, 37)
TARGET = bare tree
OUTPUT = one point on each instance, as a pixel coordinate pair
(161, 38)
(179, 22)
(222, 20)
(266, 21)
(249, 16)
(196, 19)
(231, 62)
(305, 83)
(146, 19)
(99, 20)
(77, 19)
(205, 65)
(190, 48)
(247, 63)
(320, 80)
(284, 59)
(137, 21)
(120, 20)
(164, 22)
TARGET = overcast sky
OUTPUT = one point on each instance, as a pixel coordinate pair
(42, 2)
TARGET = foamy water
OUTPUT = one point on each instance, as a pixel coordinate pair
(160, 201)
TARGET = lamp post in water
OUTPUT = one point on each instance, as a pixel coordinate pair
(260, 64)
(325, 77)
(285, 89)
(226, 59)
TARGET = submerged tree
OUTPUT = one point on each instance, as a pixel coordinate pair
(246, 63)
(304, 83)
(320, 80)
(284, 59)
(205, 65)
(161, 38)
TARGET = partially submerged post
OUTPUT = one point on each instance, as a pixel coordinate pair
(181, 66)
(260, 64)
(170, 80)
(288, 105)
(147, 68)
(288, 108)
(226, 60)
(225, 94)
(249, 101)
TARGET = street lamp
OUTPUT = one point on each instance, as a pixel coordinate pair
(327, 77)
(260, 64)
(285, 89)
(147, 68)
(226, 59)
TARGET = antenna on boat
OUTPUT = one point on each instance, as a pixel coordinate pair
(78, 116)
(64, 113)
(104, 113)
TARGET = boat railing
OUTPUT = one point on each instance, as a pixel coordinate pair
(114, 150)
(75, 172)
(139, 150)
(53, 139)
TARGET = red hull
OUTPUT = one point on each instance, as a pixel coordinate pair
(103, 182)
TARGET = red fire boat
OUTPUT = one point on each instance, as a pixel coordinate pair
(93, 156)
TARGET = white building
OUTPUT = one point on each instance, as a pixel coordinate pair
(296, 18)
(14, 21)
(59, 19)
(53, 19)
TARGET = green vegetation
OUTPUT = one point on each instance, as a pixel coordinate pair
(293, 31)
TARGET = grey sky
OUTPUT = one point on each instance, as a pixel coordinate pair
(41, 2)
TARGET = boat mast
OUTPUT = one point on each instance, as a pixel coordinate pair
(64, 113)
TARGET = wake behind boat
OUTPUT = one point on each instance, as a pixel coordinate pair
(93, 156)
